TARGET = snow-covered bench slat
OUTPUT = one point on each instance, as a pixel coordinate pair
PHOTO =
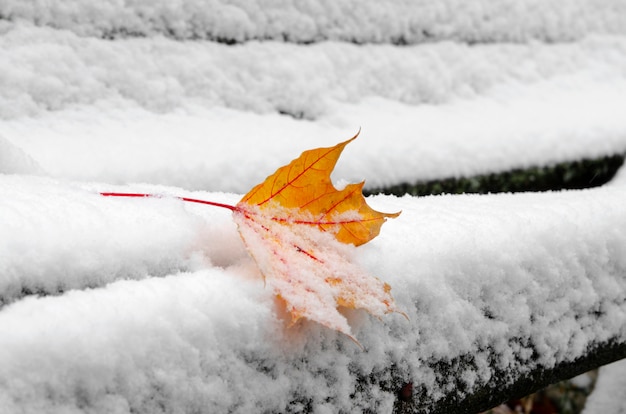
(51, 70)
(397, 22)
(180, 109)
(514, 284)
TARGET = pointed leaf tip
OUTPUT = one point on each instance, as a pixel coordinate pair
(304, 187)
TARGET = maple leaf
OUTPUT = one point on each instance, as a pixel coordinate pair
(298, 228)
(297, 225)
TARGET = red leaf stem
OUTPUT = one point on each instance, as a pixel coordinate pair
(191, 200)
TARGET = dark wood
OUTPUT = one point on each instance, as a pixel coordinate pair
(503, 386)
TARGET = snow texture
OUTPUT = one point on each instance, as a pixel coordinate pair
(607, 396)
(176, 113)
(199, 329)
(151, 305)
(401, 22)
(13, 160)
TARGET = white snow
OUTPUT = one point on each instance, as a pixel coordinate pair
(177, 113)
(44, 226)
(607, 396)
(202, 328)
(311, 271)
(14, 160)
(117, 305)
(405, 21)
(620, 177)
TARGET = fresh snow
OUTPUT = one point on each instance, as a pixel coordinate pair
(118, 305)
(176, 113)
(404, 21)
(607, 395)
(15, 161)
(197, 328)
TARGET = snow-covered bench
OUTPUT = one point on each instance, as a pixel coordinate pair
(152, 305)
(504, 293)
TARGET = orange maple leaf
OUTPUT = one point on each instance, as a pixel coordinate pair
(296, 225)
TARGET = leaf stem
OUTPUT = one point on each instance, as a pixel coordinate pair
(191, 200)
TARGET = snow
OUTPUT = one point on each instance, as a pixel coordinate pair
(48, 69)
(607, 394)
(176, 113)
(149, 240)
(14, 160)
(620, 177)
(201, 328)
(311, 271)
(154, 305)
(405, 21)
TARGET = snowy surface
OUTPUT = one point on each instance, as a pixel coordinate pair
(608, 394)
(176, 113)
(153, 305)
(197, 327)
(404, 21)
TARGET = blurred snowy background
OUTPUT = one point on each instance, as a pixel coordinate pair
(110, 305)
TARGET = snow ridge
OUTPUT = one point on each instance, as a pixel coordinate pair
(396, 22)
(482, 282)
(15, 161)
(53, 247)
(51, 70)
